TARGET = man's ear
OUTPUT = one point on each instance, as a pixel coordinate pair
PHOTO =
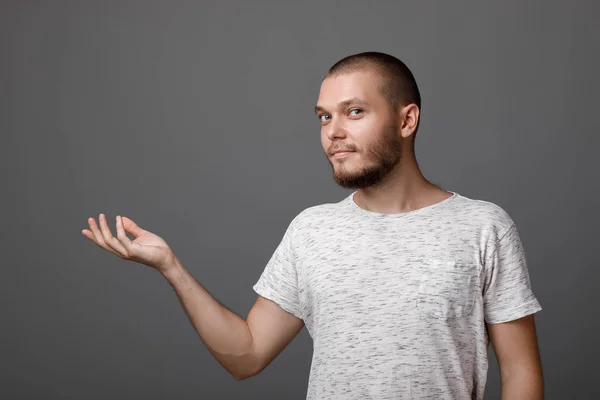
(409, 117)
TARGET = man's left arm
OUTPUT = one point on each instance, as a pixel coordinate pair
(516, 348)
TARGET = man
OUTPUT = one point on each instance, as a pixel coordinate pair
(402, 285)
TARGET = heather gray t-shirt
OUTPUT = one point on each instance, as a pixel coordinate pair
(397, 304)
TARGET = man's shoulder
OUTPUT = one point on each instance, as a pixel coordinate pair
(486, 214)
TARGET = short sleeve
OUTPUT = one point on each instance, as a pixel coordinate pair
(279, 279)
(507, 293)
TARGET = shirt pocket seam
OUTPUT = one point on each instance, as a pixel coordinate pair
(447, 289)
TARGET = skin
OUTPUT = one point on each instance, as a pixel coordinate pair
(382, 167)
(516, 348)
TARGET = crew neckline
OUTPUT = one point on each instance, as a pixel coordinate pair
(354, 206)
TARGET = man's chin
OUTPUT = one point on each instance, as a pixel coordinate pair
(367, 178)
(348, 182)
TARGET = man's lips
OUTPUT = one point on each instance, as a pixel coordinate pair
(342, 153)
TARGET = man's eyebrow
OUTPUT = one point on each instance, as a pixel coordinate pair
(343, 104)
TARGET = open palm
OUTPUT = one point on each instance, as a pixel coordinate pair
(147, 248)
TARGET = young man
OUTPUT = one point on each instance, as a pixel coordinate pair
(402, 285)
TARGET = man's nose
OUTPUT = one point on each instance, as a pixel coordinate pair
(336, 129)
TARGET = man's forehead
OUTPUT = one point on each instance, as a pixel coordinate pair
(339, 88)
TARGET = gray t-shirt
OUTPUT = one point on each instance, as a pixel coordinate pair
(397, 304)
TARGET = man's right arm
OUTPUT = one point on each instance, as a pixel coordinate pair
(242, 347)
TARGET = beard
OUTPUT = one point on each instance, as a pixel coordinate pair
(380, 159)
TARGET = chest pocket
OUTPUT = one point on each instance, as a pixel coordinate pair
(447, 289)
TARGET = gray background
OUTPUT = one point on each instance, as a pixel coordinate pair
(195, 119)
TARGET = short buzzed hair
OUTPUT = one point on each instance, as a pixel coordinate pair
(398, 84)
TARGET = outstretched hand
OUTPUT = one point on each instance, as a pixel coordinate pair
(147, 248)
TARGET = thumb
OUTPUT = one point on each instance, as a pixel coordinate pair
(132, 227)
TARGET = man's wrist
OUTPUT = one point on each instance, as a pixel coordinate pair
(173, 271)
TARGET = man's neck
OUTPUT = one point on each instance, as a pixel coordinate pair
(404, 190)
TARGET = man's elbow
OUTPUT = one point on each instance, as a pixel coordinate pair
(240, 375)
(245, 369)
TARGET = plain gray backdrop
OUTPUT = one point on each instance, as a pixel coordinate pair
(195, 119)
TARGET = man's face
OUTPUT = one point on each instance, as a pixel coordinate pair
(355, 116)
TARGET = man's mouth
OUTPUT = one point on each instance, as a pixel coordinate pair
(340, 154)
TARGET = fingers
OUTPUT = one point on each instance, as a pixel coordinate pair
(132, 227)
(96, 236)
(123, 239)
(121, 245)
(109, 239)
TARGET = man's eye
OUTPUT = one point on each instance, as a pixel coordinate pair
(356, 109)
(323, 115)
